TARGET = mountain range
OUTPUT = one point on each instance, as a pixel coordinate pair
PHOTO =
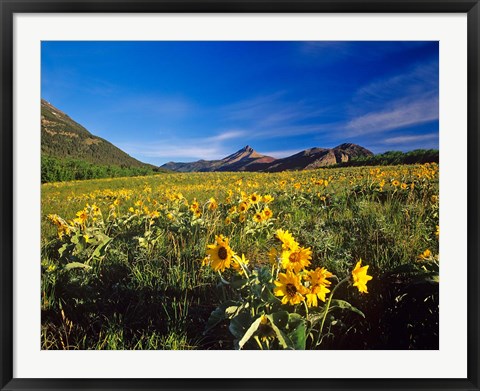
(247, 159)
(64, 138)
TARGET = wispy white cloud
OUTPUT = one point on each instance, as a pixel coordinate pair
(400, 114)
(419, 80)
(174, 150)
(411, 139)
(397, 101)
(187, 149)
(253, 108)
(228, 135)
(263, 112)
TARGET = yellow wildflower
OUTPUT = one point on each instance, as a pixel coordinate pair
(268, 198)
(267, 213)
(258, 217)
(318, 285)
(360, 277)
(427, 254)
(290, 287)
(296, 260)
(288, 242)
(220, 253)
(212, 204)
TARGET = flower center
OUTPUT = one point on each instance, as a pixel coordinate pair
(222, 253)
(291, 290)
(294, 257)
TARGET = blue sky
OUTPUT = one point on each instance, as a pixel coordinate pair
(184, 101)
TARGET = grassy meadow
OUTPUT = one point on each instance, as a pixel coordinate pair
(243, 260)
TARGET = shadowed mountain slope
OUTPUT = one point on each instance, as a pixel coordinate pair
(247, 159)
(64, 138)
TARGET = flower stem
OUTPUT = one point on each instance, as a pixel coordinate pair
(328, 307)
(306, 308)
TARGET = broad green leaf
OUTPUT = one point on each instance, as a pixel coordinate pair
(100, 250)
(62, 249)
(217, 315)
(253, 327)
(298, 336)
(256, 290)
(345, 305)
(264, 275)
(268, 296)
(278, 320)
(240, 283)
(240, 324)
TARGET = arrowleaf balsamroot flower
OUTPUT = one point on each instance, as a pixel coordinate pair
(258, 217)
(267, 213)
(360, 277)
(288, 242)
(426, 255)
(212, 204)
(296, 260)
(254, 198)
(318, 285)
(82, 216)
(265, 331)
(220, 253)
(243, 207)
(290, 287)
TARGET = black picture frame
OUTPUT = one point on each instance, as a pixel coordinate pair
(9, 8)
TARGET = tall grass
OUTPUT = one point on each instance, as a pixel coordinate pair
(146, 289)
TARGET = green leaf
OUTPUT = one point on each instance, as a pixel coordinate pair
(217, 315)
(239, 283)
(256, 291)
(298, 336)
(316, 315)
(77, 265)
(253, 327)
(297, 331)
(239, 325)
(62, 249)
(267, 295)
(345, 305)
(279, 320)
(100, 250)
(264, 275)
(231, 311)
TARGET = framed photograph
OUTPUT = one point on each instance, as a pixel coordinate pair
(244, 195)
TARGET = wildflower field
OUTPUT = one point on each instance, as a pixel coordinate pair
(338, 258)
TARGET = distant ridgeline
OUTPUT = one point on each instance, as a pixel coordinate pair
(392, 158)
(69, 151)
